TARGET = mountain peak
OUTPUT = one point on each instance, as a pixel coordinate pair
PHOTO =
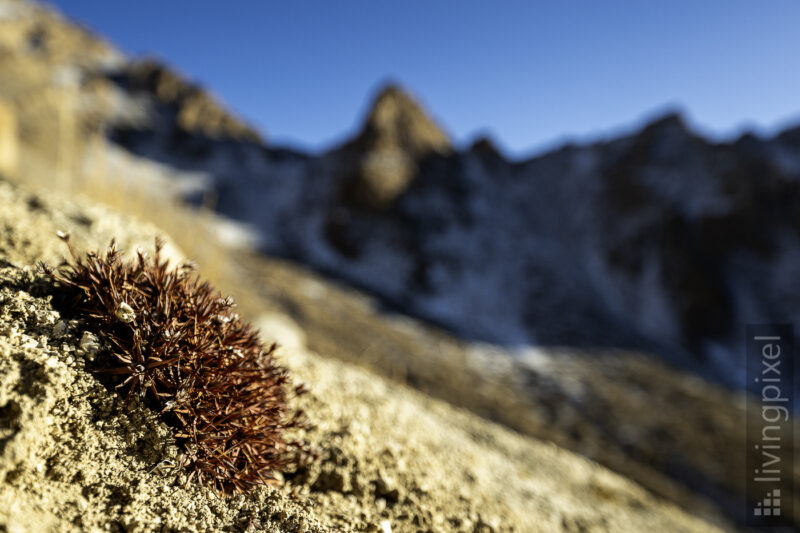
(397, 120)
(669, 122)
(382, 161)
(485, 147)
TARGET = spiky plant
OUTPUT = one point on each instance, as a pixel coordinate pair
(178, 344)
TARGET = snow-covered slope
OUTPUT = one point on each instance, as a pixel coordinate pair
(659, 239)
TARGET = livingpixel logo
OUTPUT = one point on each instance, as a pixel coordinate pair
(770, 435)
(770, 505)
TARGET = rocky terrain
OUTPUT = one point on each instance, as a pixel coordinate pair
(591, 298)
(75, 457)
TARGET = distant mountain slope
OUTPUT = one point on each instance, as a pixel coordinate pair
(659, 239)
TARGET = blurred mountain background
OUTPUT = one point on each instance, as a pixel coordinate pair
(594, 294)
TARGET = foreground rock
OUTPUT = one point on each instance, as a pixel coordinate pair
(75, 457)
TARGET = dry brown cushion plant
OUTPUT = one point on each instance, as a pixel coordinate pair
(178, 344)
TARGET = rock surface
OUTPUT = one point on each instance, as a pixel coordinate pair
(74, 456)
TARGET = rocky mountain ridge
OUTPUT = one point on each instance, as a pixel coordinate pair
(659, 240)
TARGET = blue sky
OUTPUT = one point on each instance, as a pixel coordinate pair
(529, 74)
